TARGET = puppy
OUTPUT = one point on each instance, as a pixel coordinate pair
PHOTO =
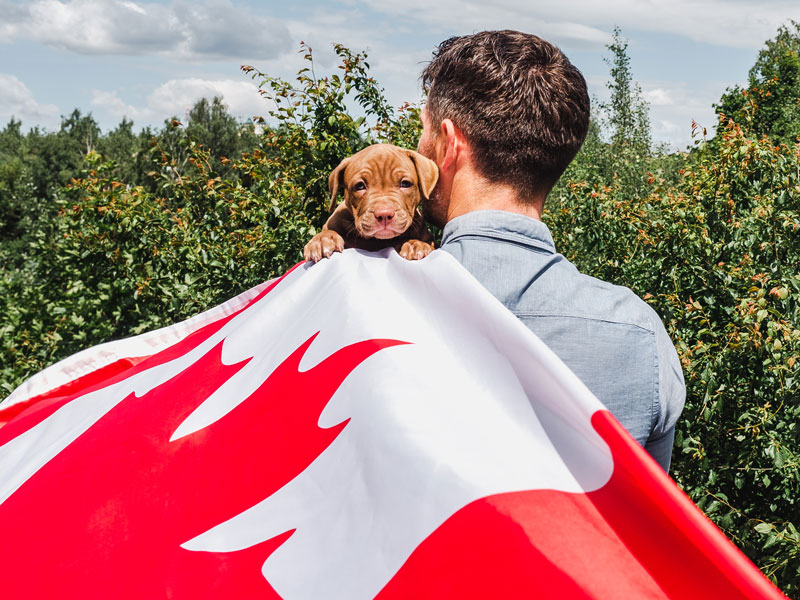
(383, 185)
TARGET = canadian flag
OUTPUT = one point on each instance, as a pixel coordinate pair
(364, 427)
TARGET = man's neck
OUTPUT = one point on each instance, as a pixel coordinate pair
(471, 193)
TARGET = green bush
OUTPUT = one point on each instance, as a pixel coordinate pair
(716, 255)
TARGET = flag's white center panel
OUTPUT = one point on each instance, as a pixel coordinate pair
(472, 407)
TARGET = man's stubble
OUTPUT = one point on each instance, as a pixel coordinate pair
(434, 208)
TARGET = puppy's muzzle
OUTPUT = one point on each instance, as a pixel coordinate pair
(383, 221)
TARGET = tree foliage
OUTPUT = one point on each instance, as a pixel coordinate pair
(770, 104)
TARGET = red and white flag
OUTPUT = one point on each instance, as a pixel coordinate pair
(365, 427)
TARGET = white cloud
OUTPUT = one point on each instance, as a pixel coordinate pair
(667, 128)
(177, 96)
(13, 15)
(466, 16)
(112, 104)
(215, 29)
(134, 7)
(658, 97)
(673, 105)
(16, 100)
(241, 97)
(734, 23)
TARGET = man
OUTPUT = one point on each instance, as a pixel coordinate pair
(506, 113)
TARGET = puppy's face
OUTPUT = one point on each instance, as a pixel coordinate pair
(383, 185)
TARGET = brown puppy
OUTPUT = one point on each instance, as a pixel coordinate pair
(383, 185)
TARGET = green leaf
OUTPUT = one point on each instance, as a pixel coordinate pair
(764, 528)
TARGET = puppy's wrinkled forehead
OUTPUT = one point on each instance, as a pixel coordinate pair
(386, 170)
(380, 163)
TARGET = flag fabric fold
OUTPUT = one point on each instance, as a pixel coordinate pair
(364, 427)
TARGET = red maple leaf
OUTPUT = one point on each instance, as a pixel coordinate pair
(105, 518)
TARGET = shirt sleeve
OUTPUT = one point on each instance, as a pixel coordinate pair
(671, 399)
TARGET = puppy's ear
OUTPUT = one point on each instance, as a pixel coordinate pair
(336, 181)
(427, 171)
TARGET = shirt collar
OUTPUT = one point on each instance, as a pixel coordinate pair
(500, 224)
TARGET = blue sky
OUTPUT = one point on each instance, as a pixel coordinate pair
(150, 60)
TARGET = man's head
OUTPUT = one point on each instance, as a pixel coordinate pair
(519, 103)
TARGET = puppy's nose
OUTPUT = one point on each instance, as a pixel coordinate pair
(384, 216)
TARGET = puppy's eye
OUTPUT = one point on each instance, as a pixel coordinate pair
(406, 183)
(359, 186)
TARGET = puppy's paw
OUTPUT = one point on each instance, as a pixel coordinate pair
(322, 245)
(415, 250)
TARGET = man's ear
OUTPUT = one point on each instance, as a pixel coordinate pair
(427, 172)
(335, 181)
(451, 143)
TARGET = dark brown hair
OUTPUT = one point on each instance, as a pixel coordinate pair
(520, 103)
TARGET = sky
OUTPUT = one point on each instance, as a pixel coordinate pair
(150, 60)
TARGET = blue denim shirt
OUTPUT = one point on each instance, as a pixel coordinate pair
(610, 338)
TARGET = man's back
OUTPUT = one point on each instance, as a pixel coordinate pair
(611, 339)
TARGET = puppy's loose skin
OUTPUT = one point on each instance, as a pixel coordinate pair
(383, 185)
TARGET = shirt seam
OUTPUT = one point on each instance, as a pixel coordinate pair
(654, 412)
(519, 240)
(593, 319)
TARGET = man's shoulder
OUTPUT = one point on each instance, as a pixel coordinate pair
(561, 289)
(606, 300)
(515, 258)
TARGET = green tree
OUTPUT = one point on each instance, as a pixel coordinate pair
(616, 157)
(618, 150)
(625, 119)
(15, 181)
(626, 113)
(211, 125)
(129, 151)
(770, 104)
